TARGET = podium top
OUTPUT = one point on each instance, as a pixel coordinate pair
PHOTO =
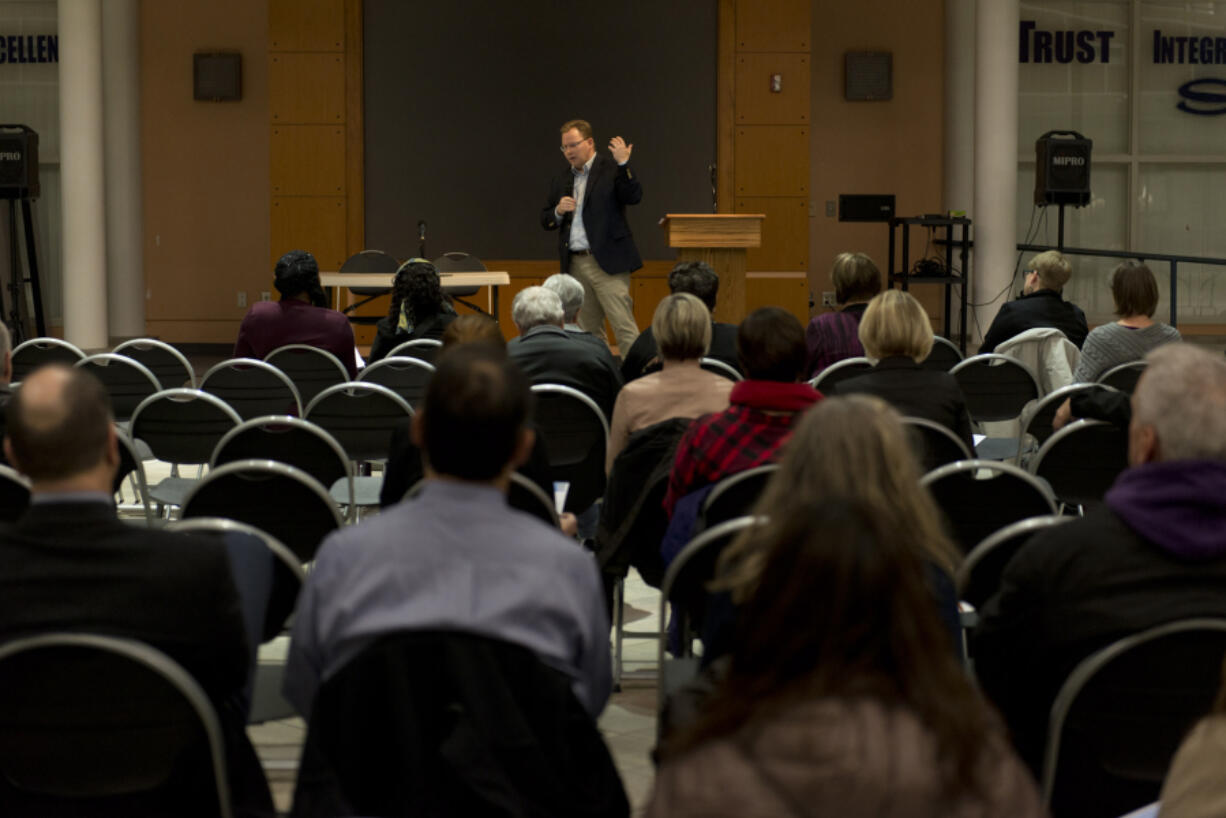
(713, 229)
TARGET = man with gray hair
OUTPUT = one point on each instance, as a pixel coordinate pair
(547, 353)
(1154, 552)
(570, 291)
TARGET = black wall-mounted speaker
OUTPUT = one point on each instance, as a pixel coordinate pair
(217, 77)
(18, 162)
(1062, 168)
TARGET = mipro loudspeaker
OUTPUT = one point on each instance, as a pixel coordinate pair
(1062, 168)
(18, 162)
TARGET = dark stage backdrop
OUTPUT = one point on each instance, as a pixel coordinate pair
(463, 101)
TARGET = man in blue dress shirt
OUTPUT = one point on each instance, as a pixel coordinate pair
(457, 557)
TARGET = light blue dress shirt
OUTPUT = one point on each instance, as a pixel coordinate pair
(456, 557)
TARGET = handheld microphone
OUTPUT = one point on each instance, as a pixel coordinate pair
(568, 190)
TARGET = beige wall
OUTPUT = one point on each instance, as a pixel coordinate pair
(205, 171)
(875, 147)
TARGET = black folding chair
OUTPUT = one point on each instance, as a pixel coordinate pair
(407, 377)
(387, 726)
(979, 574)
(367, 261)
(1037, 423)
(1122, 713)
(30, 355)
(685, 586)
(285, 502)
(1082, 460)
(721, 368)
(1123, 377)
(831, 376)
(127, 382)
(181, 427)
(996, 387)
(253, 388)
(935, 444)
(311, 369)
(294, 442)
(734, 496)
(576, 436)
(423, 349)
(944, 356)
(98, 725)
(979, 497)
(167, 364)
(457, 262)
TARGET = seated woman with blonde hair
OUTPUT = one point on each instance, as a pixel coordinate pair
(841, 696)
(896, 332)
(682, 388)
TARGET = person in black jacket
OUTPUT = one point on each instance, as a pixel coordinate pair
(1041, 305)
(70, 564)
(896, 331)
(698, 279)
(587, 206)
(419, 309)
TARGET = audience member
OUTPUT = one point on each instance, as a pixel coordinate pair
(570, 291)
(698, 279)
(419, 309)
(300, 317)
(841, 696)
(1194, 786)
(70, 564)
(764, 407)
(682, 388)
(404, 466)
(1135, 333)
(1153, 553)
(1040, 305)
(457, 556)
(831, 337)
(896, 331)
(547, 353)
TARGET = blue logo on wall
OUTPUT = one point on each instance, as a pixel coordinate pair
(1206, 97)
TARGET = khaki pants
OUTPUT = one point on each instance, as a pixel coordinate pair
(605, 296)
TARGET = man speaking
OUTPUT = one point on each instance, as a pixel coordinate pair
(588, 203)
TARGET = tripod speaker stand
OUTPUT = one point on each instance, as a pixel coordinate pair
(19, 182)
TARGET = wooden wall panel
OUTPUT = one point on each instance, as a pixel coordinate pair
(772, 160)
(307, 88)
(355, 149)
(314, 223)
(772, 25)
(307, 160)
(647, 292)
(725, 105)
(787, 290)
(785, 239)
(306, 25)
(756, 104)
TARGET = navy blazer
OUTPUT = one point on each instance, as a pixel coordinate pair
(1041, 308)
(610, 189)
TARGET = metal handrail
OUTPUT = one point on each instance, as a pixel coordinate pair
(1170, 258)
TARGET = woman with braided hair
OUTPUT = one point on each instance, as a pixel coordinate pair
(419, 309)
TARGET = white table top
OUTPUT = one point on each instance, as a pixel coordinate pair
(489, 278)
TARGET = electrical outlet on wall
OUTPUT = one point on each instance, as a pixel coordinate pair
(265, 295)
(242, 298)
(828, 299)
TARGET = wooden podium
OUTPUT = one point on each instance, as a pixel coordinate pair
(720, 240)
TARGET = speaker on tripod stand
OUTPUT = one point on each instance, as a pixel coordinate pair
(19, 183)
(1062, 172)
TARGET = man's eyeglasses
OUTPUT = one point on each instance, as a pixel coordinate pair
(566, 146)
